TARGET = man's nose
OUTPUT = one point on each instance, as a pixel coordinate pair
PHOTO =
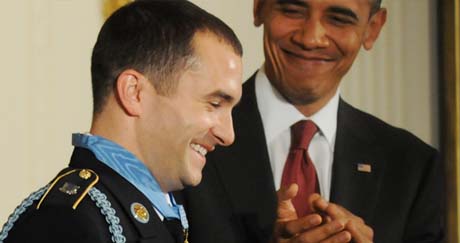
(311, 34)
(223, 131)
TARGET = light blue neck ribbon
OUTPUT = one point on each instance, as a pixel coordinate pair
(134, 171)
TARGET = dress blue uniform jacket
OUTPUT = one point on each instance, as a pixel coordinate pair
(57, 221)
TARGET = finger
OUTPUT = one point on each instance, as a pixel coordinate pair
(353, 216)
(287, 192)
(326, 219)
(313, 198)
(317, 203)
(360, 233)
(322, 232)
(335, 211)
(286, 210)
(341, 237)
(298, 226)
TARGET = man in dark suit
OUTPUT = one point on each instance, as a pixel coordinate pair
(165, 77)
(377, 183)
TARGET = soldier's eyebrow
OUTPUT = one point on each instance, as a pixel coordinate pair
(343, 11)
(223, 96)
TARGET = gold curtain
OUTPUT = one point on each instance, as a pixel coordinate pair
(450, 126)
(111, 5)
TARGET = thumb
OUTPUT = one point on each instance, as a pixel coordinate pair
(287, 192)
(286, 210)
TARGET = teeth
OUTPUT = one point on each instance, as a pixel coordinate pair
(200, 149)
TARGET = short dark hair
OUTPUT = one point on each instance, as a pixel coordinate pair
(155, 38)
(375, 6)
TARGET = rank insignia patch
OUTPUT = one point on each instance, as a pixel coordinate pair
(69, 188)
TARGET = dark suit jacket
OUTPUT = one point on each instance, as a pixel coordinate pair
(401, 199)
(56, 221)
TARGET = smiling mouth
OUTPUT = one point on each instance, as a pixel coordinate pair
(198, 148)
(311, 58)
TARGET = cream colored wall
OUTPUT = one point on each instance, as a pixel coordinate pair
(396, 80)
(46, 95)
(45, 52)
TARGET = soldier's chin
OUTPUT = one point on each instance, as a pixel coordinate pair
(194, 180)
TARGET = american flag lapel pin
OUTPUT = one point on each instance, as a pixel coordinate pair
(367, 168)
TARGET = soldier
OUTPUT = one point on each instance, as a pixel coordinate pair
(165, 77)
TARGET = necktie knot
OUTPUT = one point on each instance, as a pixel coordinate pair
(301, 133)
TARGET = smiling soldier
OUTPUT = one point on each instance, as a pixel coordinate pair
(165, 77)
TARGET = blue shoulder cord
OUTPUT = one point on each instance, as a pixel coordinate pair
(95, 194)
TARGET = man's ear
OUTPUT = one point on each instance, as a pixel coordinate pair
(374, 27)
(128, 87)
(258, 12)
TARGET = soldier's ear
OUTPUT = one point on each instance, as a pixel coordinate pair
(374, 27)
(127, 91)
(258, 12)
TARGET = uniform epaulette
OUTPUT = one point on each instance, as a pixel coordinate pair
(70, 187)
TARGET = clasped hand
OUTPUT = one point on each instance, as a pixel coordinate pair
(329, 222)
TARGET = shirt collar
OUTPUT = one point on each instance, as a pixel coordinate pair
(272, 105)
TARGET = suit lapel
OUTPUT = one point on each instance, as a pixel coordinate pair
(245, 169)
(356, 187)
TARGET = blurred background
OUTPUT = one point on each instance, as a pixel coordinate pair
(45, 50)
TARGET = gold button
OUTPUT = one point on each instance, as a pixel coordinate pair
(140, 213)
(85, 174)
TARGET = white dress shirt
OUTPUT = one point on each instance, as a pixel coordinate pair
(278, 116)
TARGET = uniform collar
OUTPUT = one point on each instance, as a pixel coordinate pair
(133, 170)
